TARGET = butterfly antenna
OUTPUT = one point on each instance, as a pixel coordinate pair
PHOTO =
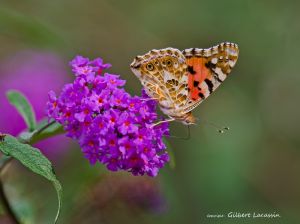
(220, 129)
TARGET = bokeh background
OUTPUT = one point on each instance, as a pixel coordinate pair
(252, 168)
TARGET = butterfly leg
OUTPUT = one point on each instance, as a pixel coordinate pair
(164, 121)
(147, 99)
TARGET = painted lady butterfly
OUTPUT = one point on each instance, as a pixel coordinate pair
(181, 80)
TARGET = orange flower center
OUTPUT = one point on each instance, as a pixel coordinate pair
(86, 123)
(134, 159)
(127, 147)
(68, 114)
(112, 143)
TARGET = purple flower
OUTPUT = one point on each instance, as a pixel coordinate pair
(112, 126)
(126, 124)
(99, 101)
(99, 125)
(99, 66)
(113, 81)
(79, 61)
(119, 98)
(111, 117)
(126, 146)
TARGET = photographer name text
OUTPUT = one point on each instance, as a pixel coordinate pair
(245, 215)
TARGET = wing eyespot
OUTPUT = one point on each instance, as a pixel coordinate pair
(150, 67)
(169, 62)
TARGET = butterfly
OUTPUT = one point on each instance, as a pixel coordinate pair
(181, 80)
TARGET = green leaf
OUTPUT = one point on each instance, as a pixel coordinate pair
(34, 160)
(19, 101)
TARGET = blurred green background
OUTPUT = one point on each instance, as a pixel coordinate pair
(252, 168)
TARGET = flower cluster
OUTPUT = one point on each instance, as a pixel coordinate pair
(111, 126)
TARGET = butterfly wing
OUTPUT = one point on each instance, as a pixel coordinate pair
(207, 69)
(163, 73)
(180, 81)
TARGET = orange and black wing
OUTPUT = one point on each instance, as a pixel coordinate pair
(207, 69)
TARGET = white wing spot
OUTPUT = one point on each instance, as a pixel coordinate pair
(214, 60)
(231, 63)
(231, 52)
(220, 74)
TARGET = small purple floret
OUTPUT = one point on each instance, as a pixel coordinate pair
(111, 126)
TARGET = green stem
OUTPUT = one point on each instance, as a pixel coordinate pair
(44, 128)
(41, 133)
